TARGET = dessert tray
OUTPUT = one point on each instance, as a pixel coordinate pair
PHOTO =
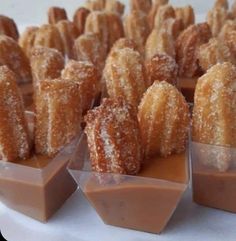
(102, 151)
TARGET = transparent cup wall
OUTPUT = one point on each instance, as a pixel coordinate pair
(214, 176)
(134, 202)
(37, 192)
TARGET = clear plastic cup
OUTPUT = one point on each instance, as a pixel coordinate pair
(38, 190)
(214, 176)
(135, 202)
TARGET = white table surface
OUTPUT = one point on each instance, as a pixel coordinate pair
(76, 220)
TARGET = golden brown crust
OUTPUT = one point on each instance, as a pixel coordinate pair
(79, 18)
(164, 12)
(8, 27)
(88, 47)
(115, 6)
(124, 74)
(86, 75)
(164, 120)
(56, 14)
(115, 28)
(26, 40)
(124, 43)
(214, 113)
(173, 26)
(58, 115)
(230, 41)
(14, 136)
(114, 138)
(162, 67)
(186, 14)
(221, 4)
(97, 23)
(159, 41)
(69, 33)
(229, 25)
(153, 11)
(141, 5)
(216, 19)
(13, 56)
(95, 5)
(187, 45)
(46, 63)
(49, 36)
(214, 52)
(136, 28)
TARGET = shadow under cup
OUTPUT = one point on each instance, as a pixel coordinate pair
(144, 202)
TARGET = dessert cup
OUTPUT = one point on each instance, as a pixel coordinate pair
(214, 176)
(39, 186)
(144, 202)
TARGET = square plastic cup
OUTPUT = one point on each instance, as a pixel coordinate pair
(135, 202)
(37, 190)
(214, 176)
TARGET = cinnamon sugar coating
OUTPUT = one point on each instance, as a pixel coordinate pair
(136, 28)
(95, 5)
(124, 74)
(86, 75)
(187, 46)
(229, 25)
(88, 47)
(69, 33)
(115, 27)
(14, 136)
(124, 43)
(49, 36)
(164, 120)
(97, 22)
(186, 14)
(79, 18)
(26, 40)
(46, 63)
(159, 41)
(216, 19)
(214, 113)
(14, 57)
(162, 67)
(229, 40)
(153, 11)
(8, 27)
(214, 52)
(164, 12)
(141, 5)
(115, 6)
(58, 115)
(114, 138)
(56, 14)
(221, 4)
(174, 26)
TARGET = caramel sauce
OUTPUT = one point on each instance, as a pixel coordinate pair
(171, 168)
(141, 204)
(36, 161)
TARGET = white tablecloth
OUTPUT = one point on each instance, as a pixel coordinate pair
(77, 221)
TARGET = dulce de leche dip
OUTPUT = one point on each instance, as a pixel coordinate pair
(144, 202)
(36, 187)
(214, 188)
